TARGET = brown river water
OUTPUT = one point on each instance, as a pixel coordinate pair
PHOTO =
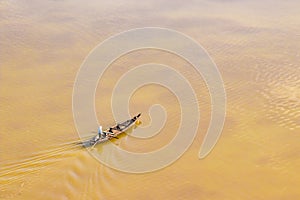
(256, 46)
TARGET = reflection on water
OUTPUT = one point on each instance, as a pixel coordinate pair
(256, 47)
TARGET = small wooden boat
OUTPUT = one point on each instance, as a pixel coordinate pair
(112, 132)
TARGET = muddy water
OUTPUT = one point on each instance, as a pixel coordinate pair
(256, 47)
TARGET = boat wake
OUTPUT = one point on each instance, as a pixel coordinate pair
(14, 171)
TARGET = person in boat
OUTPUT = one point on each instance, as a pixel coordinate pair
(101, 134)
(118, 127)
(110, 133)
(114, 128)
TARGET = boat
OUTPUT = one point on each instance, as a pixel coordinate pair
(111, 132)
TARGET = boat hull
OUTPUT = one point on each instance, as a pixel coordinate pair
(111, 132)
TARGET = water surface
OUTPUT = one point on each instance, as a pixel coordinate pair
(256, 47)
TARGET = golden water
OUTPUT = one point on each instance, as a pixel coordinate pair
(255, 46)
